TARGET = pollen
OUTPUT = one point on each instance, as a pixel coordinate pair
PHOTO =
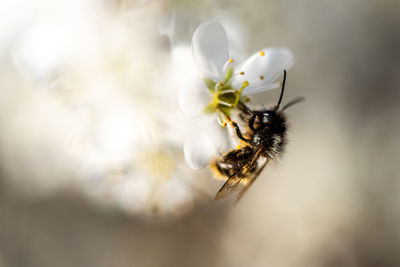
(230, 60)
(238, 147)
(261, 77)
(241, 73)
(262, 53)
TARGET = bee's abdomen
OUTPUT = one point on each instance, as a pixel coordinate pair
(226, 170)
(231, 163)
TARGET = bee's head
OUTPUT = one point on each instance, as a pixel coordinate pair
(271, 116)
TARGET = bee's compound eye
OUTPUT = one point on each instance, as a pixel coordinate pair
(266, 117)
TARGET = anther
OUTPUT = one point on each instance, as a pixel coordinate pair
(230, 60)
(262, 53)
(245, 84)
(261, 77)
(241, 73)
(238, 147)
(224, 124)
(220, 84)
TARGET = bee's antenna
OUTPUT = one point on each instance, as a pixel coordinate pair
(242, 107)
(282, 90)
(294, 101)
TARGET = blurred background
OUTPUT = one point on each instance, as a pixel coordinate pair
(91, 164)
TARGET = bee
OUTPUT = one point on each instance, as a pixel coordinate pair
(263, 141)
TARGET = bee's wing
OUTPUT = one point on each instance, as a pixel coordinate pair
(262, 161)
(234, 182)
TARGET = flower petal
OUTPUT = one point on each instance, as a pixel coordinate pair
(263, 68)
(210, 49)
(205, 141)
(261, 88)
(193, 96)
(199, 149)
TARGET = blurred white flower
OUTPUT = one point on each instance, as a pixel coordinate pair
(223, 84)
(85, 102)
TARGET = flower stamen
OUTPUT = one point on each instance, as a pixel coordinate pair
(224, 103)
(228, 65)
(244, 85)
(218, 87)
(229, 91)
(221, 119)
(220, 122)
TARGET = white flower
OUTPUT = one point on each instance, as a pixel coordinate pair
(224, 83)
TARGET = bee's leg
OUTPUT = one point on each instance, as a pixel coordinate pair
(242, 107)
(246, 114)
(251, 122)
(243, 116)
(238, 133)
(237, 129)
